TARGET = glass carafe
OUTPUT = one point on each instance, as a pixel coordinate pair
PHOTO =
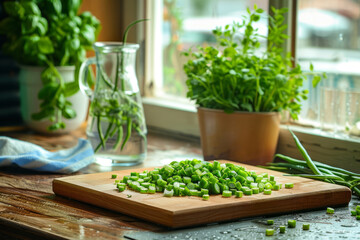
(116, 124)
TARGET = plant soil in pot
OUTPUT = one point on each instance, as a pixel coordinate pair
(245, 137)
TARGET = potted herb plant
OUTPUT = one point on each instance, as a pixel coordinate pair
(49, 40)
(240, 91)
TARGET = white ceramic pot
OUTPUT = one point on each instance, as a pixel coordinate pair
(30, 85)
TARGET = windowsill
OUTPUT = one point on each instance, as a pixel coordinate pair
(180, 107)
(180, 121)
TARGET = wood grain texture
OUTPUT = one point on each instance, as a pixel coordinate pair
(30, 210)
(99, 189)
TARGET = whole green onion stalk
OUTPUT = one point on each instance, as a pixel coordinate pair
(315, 170)
(116, 116)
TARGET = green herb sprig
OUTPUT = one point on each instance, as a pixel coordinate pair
(50, 34)
(233, 76)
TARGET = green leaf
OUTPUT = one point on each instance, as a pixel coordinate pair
(48, 76)
(48, 91)
(45, 45)
(311, 67)
(31, 45)
(14, 9)
(60, 103)
(42, 26)
(31, 8)
(68, 113)
(230, 52)
(316, 80)
(71, 7)
(29, 24)
(247, 106)
(73, 44)
(71, 88)
(53, 6)
(44, 113)
(56, 126)
(87, 35)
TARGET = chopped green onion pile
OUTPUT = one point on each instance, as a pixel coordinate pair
(199, 178)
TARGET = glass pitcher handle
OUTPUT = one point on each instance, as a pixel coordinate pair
(83, 76)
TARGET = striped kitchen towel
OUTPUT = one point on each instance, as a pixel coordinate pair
(31, 156)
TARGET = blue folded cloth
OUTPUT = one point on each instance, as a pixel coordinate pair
(31, 156)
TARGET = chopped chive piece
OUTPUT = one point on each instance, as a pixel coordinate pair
(239, 194)
(247, 191)
(282, 229)
(330, 210)
(289, 185)
(276, 187)
(143, 190)
(159, 189)
(269, 232)
(113, 176)
(267, 191)
(291, 223)
(227, 193)
(357, 209)
(353, 213)
(121, 188)
(161, 183)
(255, 190)
(120, 184)
(204, 192)
(270, 222)
(194, 192)
(117, 181)
(271, 178)
(268, 185)
(151, 189)
(205, 197)
(357, 217)
(134, 178)
(168, 193)
(306, 226)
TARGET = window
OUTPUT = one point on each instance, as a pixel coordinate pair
(327, 36)
(178, 25)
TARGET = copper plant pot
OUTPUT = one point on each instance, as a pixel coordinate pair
(244, 137)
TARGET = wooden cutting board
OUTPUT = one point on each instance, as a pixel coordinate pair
(99, 189)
